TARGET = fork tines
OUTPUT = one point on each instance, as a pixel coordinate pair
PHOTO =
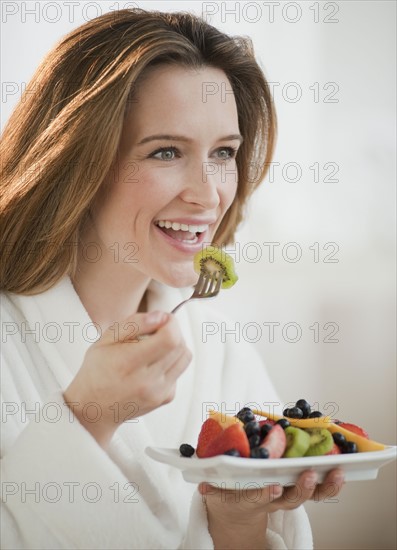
(209, 283)
(201, 282)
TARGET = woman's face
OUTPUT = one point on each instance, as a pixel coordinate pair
(176, 174)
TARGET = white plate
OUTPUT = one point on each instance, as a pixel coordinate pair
(236, 473)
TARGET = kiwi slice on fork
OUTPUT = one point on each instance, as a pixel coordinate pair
(212, 259)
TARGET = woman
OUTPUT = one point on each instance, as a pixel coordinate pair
(139, 147)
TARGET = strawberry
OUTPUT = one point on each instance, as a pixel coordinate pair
(224, 420)
(334, 451)
(234, 437)
(275, 442)
(210, 430)
(354, 428)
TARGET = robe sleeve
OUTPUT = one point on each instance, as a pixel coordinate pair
(60, 489)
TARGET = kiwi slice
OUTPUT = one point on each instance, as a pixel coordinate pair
(298, 442)
(212, 259)
(321, 442)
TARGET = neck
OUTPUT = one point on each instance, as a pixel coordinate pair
(110, 291)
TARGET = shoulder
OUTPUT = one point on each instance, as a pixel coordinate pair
(13, 323)
(10, 312)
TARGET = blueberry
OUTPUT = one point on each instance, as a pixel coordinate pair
(283, 422)
(294, 412)
(186, 450)
(304, 406)
(349, 447)
(339, 439)
(252, 428)
(265, 429)
(254, 441)
(245, 415)
(315, 414)
(259, 452)
(232, 452)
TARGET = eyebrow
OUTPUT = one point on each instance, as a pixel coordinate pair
(168, 137)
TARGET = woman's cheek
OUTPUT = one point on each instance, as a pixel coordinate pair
(156, 179)
(229, 194)
(231, 181)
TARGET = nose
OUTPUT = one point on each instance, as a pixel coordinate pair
(202, 185)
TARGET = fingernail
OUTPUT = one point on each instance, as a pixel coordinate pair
(277, 491)
(310, 481)
(156, 317)
(339, 478)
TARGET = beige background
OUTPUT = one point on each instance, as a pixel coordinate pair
(352, 219)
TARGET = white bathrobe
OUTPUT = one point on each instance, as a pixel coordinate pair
(60, 489)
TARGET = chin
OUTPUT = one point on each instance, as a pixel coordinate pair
(182, 282)
(183, 285)
(179, 278)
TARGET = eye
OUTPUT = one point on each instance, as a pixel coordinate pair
(164, 153)
(225, 153)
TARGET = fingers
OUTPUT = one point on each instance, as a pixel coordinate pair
(179, 365)
(152, 365)
(296, 494)
(173, 373)
(164, 349)
(274, 497)
(308, 488)
(164, 346)
(330, 487)
(203, 488)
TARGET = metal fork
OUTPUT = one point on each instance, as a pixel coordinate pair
(207, 286)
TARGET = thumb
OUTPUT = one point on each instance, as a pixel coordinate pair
(202, 488)
(133, 327)
(205, 488)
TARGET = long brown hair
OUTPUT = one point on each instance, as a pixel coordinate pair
(61, 140)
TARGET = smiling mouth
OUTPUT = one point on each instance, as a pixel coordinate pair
(182, 232)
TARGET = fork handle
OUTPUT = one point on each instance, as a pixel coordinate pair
(179, 305)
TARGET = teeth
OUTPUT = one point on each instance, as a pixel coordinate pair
(182, 226)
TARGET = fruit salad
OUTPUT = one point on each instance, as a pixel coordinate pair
(299, 432)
